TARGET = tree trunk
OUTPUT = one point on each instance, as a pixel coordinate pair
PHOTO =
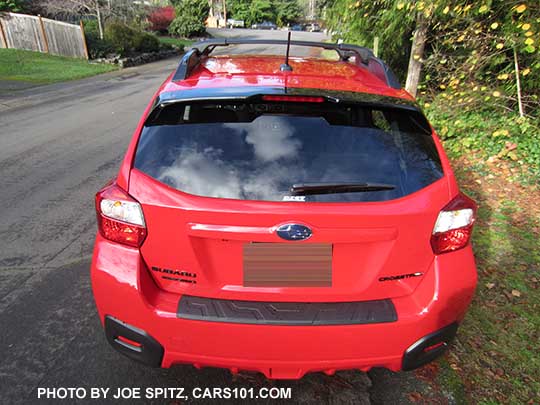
(417, 53)
(100, 23)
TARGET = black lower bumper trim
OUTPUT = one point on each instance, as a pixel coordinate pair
(429, 347)
(133, 342)
(286, 313)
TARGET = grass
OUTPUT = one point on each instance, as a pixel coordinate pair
(179, 42)
(496, 358)
(41, 68)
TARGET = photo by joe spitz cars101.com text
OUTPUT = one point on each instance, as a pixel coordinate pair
(283, 215)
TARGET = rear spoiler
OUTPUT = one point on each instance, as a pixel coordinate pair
(363, 56)
(255, 93)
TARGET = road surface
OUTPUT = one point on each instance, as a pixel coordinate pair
(58, 145)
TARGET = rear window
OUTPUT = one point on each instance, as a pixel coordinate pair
(264, 151)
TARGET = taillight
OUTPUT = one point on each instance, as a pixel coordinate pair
(454, 225)
(120, 217)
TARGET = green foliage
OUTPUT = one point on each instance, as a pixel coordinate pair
(190, 17)
(360, 22)
(11, 5)
(470, 44)
(126, 40)
(121, 37)
(97, 47)
(282, 12)
(287, 11)
(490, 135)
(145, 42)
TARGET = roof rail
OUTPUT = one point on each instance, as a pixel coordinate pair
(345, 51)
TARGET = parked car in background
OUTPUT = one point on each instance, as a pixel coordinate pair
(232, 23)
(266, 25)
(313, 27)
(297, 27)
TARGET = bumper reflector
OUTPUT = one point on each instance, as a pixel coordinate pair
(133, 342)
(429, 347)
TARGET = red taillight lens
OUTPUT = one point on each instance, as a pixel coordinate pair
(454, 225)
(294, 99)
(120, 217)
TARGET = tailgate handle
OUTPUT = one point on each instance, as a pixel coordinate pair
(267, 234)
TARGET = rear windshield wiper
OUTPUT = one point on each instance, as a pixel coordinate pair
(336, 188)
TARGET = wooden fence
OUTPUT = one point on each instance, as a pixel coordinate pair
(21, 31)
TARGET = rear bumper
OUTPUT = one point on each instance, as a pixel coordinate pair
(126, 296)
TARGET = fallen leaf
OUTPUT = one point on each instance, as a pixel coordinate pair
(490, 285)
(516, 293)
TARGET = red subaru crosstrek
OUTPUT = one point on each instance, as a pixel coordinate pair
(283, 215)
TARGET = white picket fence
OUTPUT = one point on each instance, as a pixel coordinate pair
(22, 31)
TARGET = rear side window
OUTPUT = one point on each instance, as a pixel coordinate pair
(264, 151)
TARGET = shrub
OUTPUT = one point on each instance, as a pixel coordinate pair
(97, 48)
(190, 18)
(161, 18)
(121, 37)
(145, 42)
(126, 40)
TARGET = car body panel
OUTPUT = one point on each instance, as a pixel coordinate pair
(119, 275)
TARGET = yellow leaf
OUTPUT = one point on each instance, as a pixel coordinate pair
(529, 41)
(426, 105)
(525, 26)
(516, 293)
(496, 94)
(525, 72)
(442, 86)
(400, 6)
(494, 26)
(529, 33)
(446, 10)
(500, 46)
(503, 76)
(521, 8)
(483, 9)
(461, 38)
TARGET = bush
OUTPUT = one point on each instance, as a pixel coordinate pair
(145, 42)
(126, 40)
(190, 18)
(97, 48)
(161, 18)
(121, 37)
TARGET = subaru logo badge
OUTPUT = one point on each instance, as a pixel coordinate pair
(293, 232)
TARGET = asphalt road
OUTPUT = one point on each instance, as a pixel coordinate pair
(58, 145)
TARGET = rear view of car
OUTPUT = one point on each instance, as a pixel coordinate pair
(283, 230)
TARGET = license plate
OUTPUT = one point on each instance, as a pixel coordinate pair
(287, 265)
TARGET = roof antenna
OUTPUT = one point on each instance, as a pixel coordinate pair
(286, 67)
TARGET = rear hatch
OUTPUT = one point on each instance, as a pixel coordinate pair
(288, 199)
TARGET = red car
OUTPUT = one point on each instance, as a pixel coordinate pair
(283, 218)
